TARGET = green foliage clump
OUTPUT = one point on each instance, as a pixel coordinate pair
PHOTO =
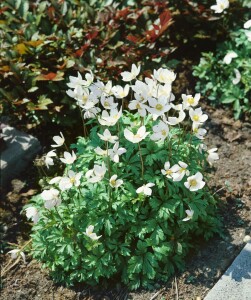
(143, 239)
(216, 78)
(128, 213)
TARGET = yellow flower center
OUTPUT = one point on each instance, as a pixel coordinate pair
(190, 100)
(182, 170)
(193, 182)
(72, 180)
(168, 172)
(161, 77)
(138, 106)
(159, 107)
(106, 103)
(85, 98)
(163, 132)
(196, 118)
(195, 130)
(113, 182)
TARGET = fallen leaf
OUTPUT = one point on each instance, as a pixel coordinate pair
(51, 76)
(233, 136)
(21, 49)
(30, 192)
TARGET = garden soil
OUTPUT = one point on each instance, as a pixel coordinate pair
(230, 182)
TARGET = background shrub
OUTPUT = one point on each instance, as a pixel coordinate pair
(216, 78)
(46, 41)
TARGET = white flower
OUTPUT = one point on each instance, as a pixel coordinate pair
(164, 75)
(111, 119)
(73, 179)
(167, 171)
(89, 232)
(176, 120)
(128, 76)
(48, 158)
(179, 171)
(115, 152)
(247, 24)
(108, 102)
(91, 111)
(189, 100)
(101, 89)
(229, 56)
(89, 78)
(136, 138)
(248, 35)
(32, 213)
(160, 131)
(158, 107)
(199, 132)
(100, 151)
(195, 182)
(247, 238)
(15, 253)
(51, 198)
(68, 158)
(202, 147)
(59, 140)
(142, 90)
(107, 137)
(96, 174)
(80, 94)
(220, 6)
(164, 90)
(120, 92)
(145, 189)
(189, 215)
(76, 81)
(55, 180)
(212, 156)
(197, 115)
(137, 104)
(114, 182)
(237, 78)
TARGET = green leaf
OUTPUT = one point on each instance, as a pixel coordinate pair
(157, 235)
(149, 265)
(142, 247)
(228, 100)
(24, 8)
(135, 264)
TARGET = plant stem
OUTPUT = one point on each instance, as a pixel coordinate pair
(142, 164)
(109, 175)
(83, 122)
(67, 149)
(60, 217)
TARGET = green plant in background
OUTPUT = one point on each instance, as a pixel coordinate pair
(44, 42)
(224, 76)
(132, 200)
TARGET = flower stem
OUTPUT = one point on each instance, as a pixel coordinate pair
(83, 122)
(142, 164)
(109, 175)
(60, 217)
